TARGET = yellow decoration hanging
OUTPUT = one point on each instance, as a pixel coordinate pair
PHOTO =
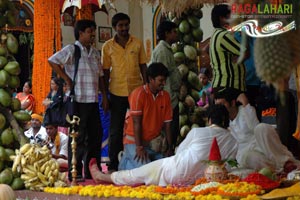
(47, 39)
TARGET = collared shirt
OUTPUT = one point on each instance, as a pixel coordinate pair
(163, 54)
(40, 136)
(226, 72)
(63, 147)
(125, 74)
(89, 70)
(156, 110)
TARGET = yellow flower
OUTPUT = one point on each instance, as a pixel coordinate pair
(107, 193)
(251, 197)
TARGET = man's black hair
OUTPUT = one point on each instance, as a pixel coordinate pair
(118, 17)
(221, 10)
(218, 114)
(81, 25)
(163, 28)
(227, 93)
(157, 69)
(49, 123)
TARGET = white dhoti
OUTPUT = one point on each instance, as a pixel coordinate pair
(186, 165)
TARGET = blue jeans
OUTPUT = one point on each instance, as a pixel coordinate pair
(128, 162)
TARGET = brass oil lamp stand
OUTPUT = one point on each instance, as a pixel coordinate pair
(73, 134)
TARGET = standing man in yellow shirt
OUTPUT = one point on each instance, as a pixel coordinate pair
(124, 64)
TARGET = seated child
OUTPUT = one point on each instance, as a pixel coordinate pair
(204, 93)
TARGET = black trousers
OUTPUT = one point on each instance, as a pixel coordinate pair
(175, 125)
(286, 120)
(118, 108)
(89, 138)
(255, 98)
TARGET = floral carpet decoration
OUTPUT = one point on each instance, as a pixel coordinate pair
(140, 192)
(234, 188)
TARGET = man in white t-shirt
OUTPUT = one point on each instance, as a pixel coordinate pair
(58, 144)
(36, 133)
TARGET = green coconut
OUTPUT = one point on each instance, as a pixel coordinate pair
(194, 21)
(2, 121)
(179, 57)
(184, 26)
(197, 34)
(4, 77)
(13, 68)
(3, 60)
(13, 82)
(12, 43)
(6, 176)
(15, 104)
(22, 116)
(194, 80)
(7, 137)
(5, 98)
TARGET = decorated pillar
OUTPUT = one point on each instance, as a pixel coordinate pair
(47, 40)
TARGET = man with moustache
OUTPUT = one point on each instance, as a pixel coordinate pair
(89, 80)
(167, 35)
(58, 144)
(150, 111)
(36, 133)
(124, 64)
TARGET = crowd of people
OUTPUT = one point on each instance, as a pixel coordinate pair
(143, 103)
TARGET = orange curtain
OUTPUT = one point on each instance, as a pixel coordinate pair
(47, 40)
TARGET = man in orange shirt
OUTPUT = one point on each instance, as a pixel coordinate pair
(150, 111)
(124, 64)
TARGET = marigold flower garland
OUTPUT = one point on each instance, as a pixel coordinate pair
(140, 192)
(239, 189)
(47, 39)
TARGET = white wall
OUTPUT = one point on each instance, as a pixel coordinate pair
(205, 22)
(67, 34)
(141, 26)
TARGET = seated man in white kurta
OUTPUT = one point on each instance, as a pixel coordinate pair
(259, 145)
(187, 165)
(58, 145)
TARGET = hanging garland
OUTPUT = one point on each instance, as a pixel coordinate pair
(85, 12)
(47, 39)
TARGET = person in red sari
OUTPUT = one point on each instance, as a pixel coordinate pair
(26, 98)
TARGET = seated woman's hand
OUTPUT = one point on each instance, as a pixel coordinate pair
(46, 102)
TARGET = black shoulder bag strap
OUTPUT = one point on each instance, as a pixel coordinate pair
(77, 55)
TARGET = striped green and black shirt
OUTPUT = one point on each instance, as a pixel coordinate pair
(226, 72)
